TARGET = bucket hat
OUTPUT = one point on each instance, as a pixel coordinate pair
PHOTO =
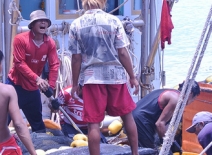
(36, 15)
(203, 116)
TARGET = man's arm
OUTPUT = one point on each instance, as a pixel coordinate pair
(19, 124)
(76, 67)
(54, 64)
(126, 62)
(168, 101)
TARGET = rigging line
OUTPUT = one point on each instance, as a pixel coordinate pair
(118, 6)
(78, 5)
(182, 106)
(169, 135)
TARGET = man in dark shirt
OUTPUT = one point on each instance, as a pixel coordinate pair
(202, 127)
(154, 111)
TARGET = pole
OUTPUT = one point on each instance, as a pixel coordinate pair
(7, 36)
(1, 37)
(13, 31)
(144, 44)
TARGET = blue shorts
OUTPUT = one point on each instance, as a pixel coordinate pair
(30, 103)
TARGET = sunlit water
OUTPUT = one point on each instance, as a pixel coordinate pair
(189, 17)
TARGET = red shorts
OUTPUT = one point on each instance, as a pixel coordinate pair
(113, 98)
(10, 147)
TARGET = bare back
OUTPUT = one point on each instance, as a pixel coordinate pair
(8, 104)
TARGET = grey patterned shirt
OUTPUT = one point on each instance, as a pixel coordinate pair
(96, 35)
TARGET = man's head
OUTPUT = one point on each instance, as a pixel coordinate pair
(39, 18)
(199, 121)
(195, 91)
(1, 58)
(93, 4)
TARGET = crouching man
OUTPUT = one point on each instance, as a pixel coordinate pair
(202, 127)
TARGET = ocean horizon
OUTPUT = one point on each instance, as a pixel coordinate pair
(188, 17)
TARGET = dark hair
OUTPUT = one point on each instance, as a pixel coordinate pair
(195, 90)
(1, 56)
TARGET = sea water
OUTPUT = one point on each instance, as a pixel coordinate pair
(188, 17)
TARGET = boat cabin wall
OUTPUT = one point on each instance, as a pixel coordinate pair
(58, 14)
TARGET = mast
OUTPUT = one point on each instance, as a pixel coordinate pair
(144, 44)
(154, 71)
(14, 18)
(7, 35)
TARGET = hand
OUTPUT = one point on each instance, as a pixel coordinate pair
(55, 103)
(42, 84)
(52, 110)
(134, 83)
(74, 92)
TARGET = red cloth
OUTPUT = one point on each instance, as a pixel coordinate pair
(29, 61)
(166, 24)
(10, 147)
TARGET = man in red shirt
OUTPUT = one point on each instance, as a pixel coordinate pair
(31, 51)
(74, 108)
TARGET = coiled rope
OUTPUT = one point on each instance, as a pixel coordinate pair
(64, 72)
(13, 7)
(169, 135)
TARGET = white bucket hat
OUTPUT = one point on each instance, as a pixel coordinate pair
(36, 15)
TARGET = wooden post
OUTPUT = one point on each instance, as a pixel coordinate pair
(14, 30)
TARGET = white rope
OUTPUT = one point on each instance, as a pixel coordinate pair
(169, 135)
(13, 7)
(205, 149)
(78, 5)
(118, 7)
(64, 73)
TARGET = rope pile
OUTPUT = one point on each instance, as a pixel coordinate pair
(65, 71)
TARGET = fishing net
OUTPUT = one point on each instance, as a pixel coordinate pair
(56, 140)
(46, 141)
(106, 149)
